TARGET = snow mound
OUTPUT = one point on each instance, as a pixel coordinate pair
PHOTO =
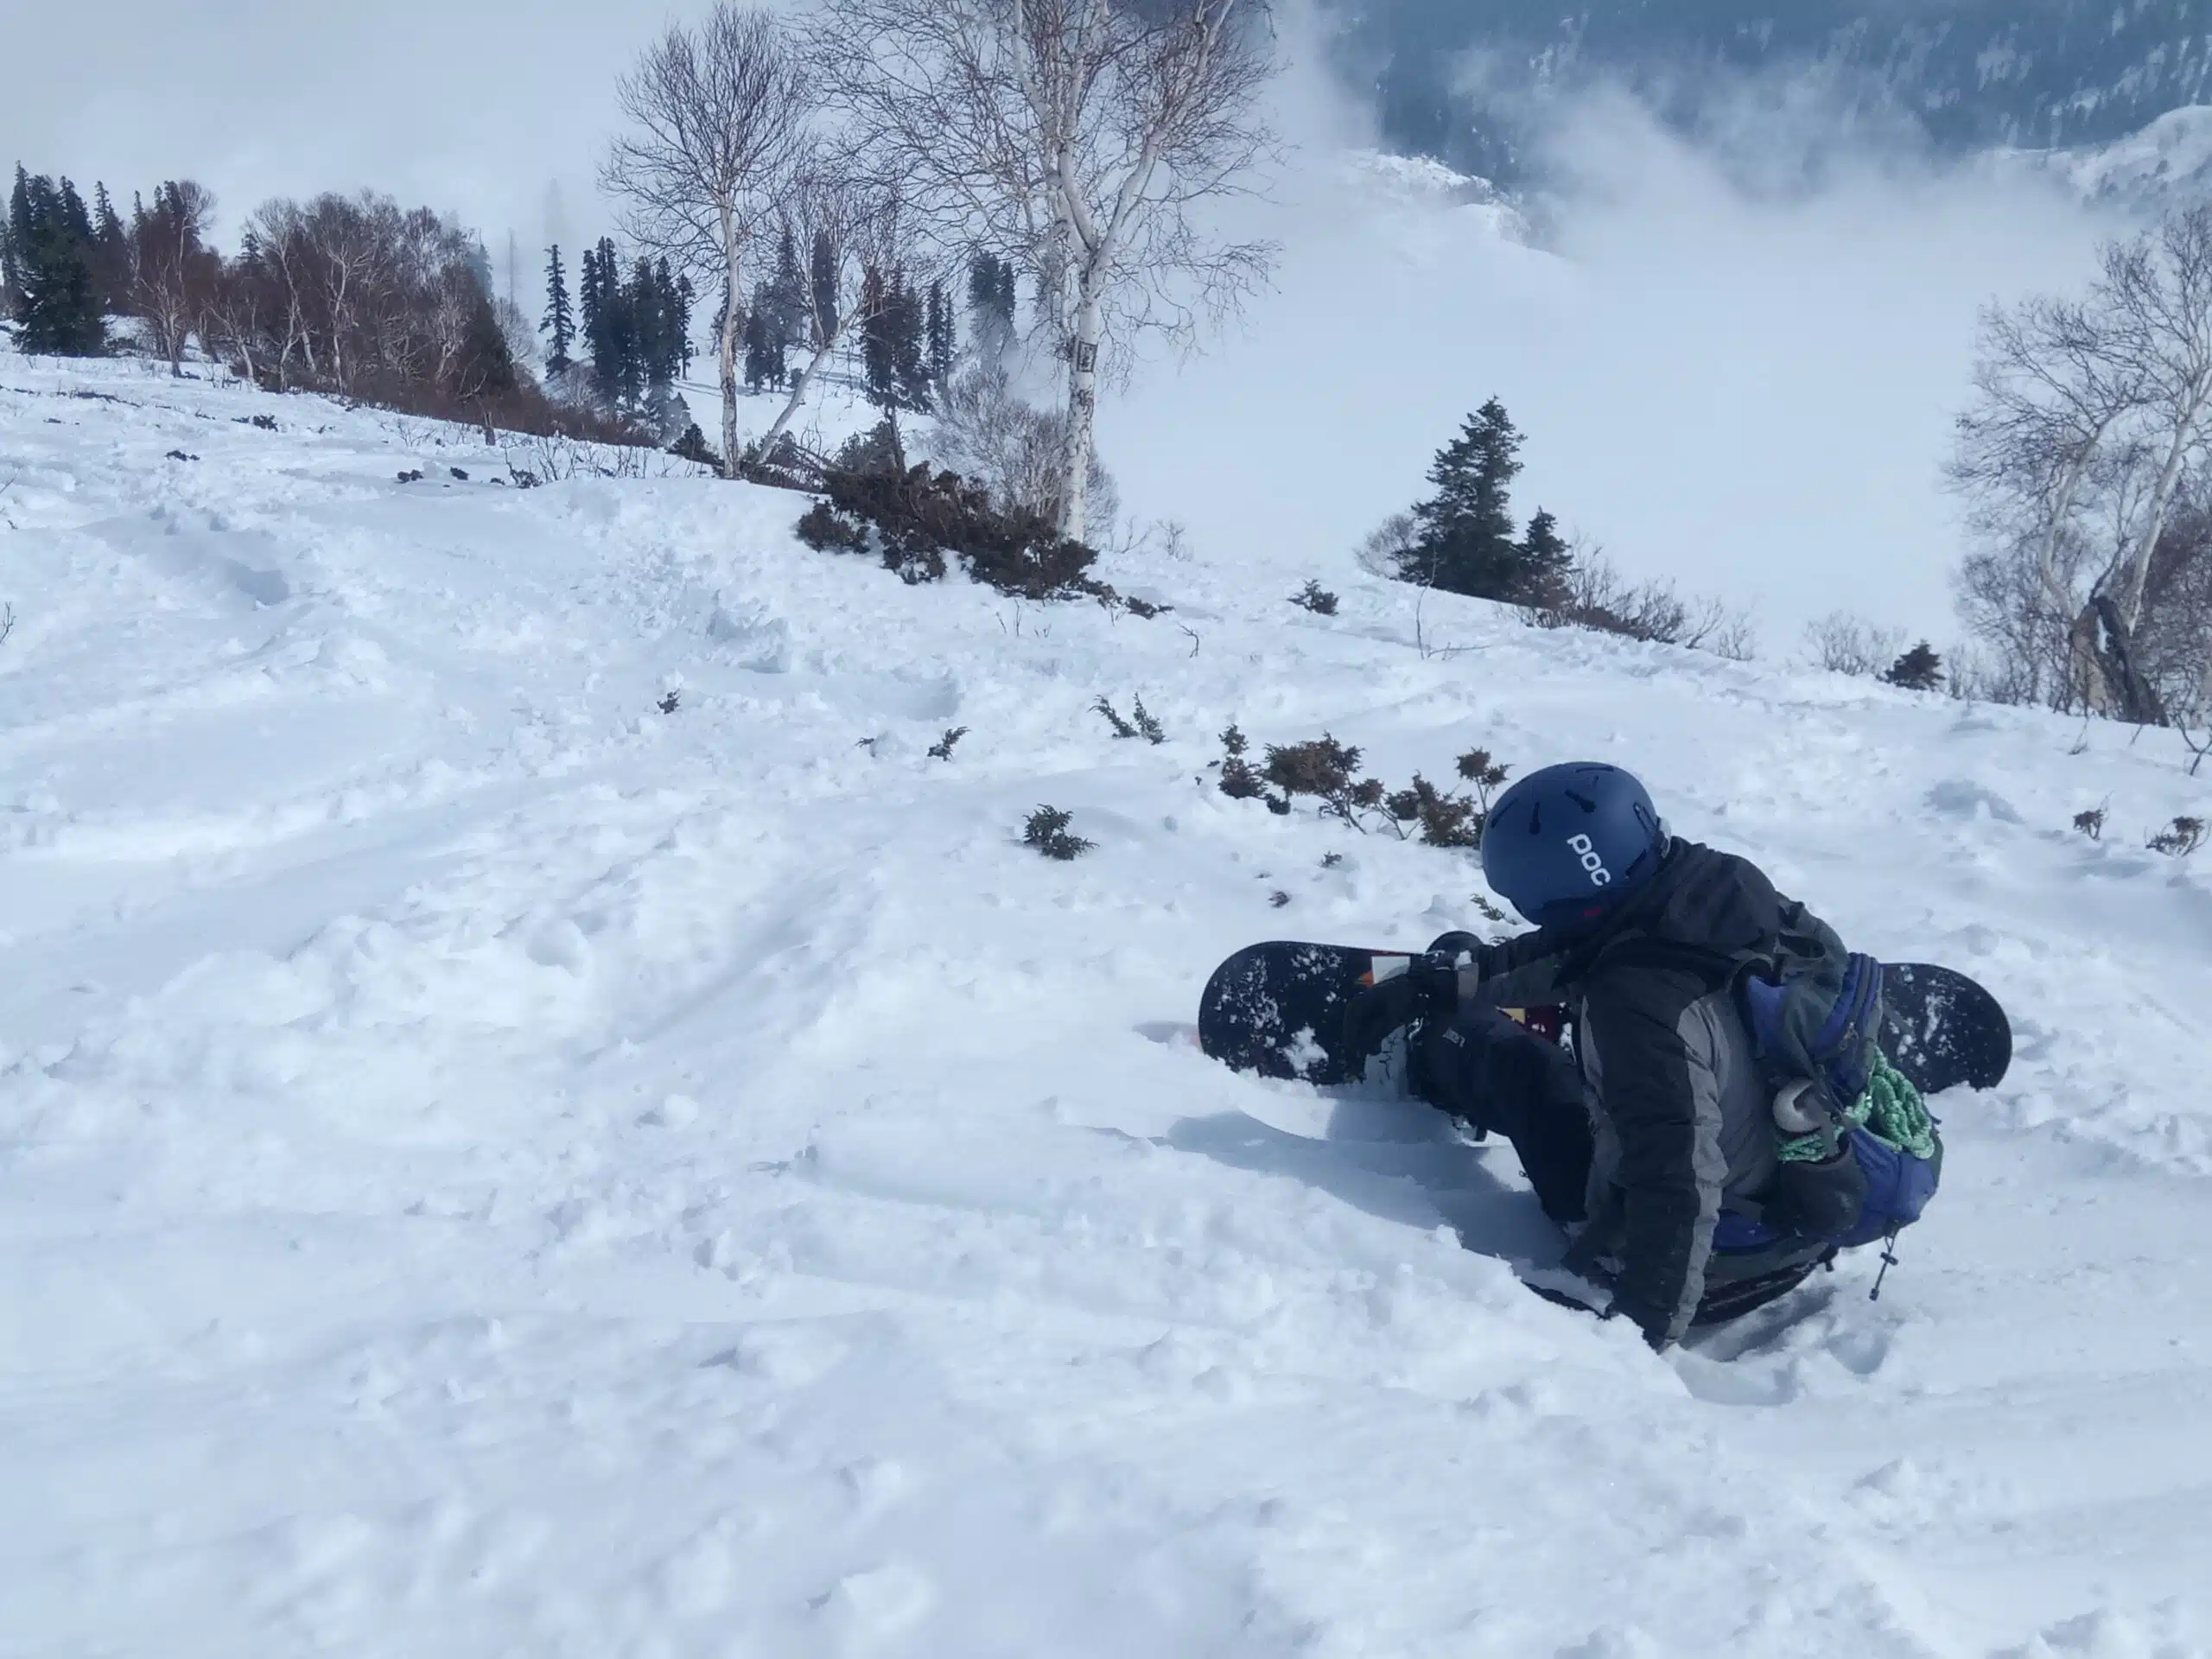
(488, 1165)
(1418, 184)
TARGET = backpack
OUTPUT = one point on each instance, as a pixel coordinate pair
(1814, 1014)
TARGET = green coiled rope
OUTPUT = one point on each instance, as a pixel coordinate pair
(1890, 1110)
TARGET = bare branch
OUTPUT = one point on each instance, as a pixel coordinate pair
(719, 119)
(1077, 138)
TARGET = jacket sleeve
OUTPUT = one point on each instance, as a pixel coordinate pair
(1661, 1094)
(1530, 970)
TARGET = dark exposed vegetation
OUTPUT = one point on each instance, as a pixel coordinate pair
(1327, 771)
(1918, 670)
(1047, 831)
(1140, 723)
(918, 521)
(2178, 839)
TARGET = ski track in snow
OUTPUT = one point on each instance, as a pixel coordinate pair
(485, 1166)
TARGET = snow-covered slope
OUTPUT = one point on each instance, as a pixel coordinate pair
(486, 1166)
(2168, 163)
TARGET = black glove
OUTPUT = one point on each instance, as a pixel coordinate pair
(1456, 944)
(1428, 990)
(1477, 959)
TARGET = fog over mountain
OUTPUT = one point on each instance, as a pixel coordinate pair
(1465, 83)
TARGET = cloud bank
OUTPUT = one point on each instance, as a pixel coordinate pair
(1747, 387)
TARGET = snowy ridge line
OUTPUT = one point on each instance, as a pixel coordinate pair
(487, 1166)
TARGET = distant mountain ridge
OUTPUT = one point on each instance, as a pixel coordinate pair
(2032, 74)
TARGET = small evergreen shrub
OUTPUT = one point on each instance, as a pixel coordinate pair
(1449, 820)
(1047, 831)
(1918, 670)
(942, 749)
(692, 446)
(1445, 820)
(1315, 598)
(1240, 778)
(1327, 770)
(1140, 723)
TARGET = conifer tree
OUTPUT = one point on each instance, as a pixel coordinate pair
(1547, 562)
(758, 346)
(611, 331)
(624, 327)
(671, 308)
(991, 308)
(15, 238)
(110, 252)
(559, 321)
(787, 290)
(1466, 543)
(824, 275)
(588, 302)
(51, 252)
(909, 346)
(879, 351)
(686, 301)
(1919, 670)
(942, 343)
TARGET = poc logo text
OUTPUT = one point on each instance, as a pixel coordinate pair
(1593, 866)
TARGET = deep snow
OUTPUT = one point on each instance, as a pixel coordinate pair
(488, 1167)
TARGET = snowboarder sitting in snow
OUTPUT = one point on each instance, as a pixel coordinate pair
(1704, 1140)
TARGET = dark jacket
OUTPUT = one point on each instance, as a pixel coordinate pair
(1680, 1105)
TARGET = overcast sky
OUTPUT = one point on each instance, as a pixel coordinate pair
(1749, 393)
(483, 109)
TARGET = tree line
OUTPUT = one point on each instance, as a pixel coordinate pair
(349, 295)
(635, 328)
(813, 181)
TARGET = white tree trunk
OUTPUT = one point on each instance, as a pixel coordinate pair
(797, 401)
(1083, 412)
(2137, 573)
(726, 347)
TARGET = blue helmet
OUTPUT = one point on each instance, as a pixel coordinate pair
(1569, 843)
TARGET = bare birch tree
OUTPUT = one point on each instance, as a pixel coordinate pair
(719, 115)
(1081, 138)
(2088, 434)
(172, 269)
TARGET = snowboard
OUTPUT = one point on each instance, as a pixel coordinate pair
(1278, 1010)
